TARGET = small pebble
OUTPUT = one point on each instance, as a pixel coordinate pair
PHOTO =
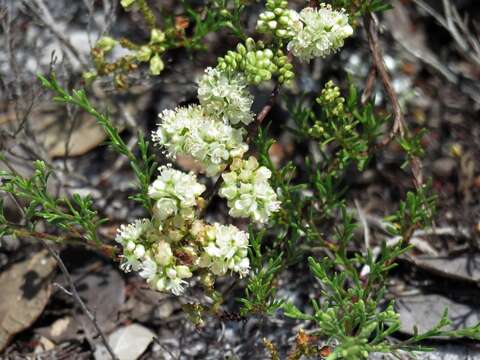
(444, 167)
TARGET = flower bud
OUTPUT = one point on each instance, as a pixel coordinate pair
(106, 43)
(157, 36)
(144, 53)
(156, 65)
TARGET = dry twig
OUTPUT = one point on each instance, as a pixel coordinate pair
(377, 57)
(399, 126)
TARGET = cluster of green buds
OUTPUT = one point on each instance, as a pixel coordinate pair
(331, 100)
(152, 52)
(284, 67)
(256, 62)
(252, 59)
(103, 67)
(332, 104)
(148, 53)
(278, 20)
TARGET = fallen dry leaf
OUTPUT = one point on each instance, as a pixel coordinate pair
(25, 292)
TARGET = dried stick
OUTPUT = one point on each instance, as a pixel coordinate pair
(76, 297)
(399, 126)
(369, 85)
(377, 57)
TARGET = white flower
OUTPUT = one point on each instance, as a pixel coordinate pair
(133, 237)
(130, 262)
(225, 96)
(176, 184)
(208, 140)
(131, 233)
(176, 286)
(324, 31)
(149, 269)
(165, 207)
(248, 191)
(176, 194)
(226, 250)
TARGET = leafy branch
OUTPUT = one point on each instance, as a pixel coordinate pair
(143, 166)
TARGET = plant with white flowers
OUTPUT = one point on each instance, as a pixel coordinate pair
(178, 245)
(213, 135)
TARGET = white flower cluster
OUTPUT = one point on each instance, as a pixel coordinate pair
(209, 141)
(226, 248)
(133, 238)
(147, 245)
(161, 271)
(175, 194)
(323, 31)
(225, 96)
(169, 248)
(248, 191)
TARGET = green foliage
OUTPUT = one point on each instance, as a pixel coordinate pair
(341, 123)
(200, 21)
(353, 312)
(358, 8)
(68, 215)
(416, 211)
(216, 15)
(4, 229)
(260, 291)
(143, 166)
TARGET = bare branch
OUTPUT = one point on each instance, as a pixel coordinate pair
(377, 57)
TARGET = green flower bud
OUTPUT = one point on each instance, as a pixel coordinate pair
(106, 43)
(157, 36)
(269, 15)
(281, 33)
(156, 65)
(272, 24)
(250, 44)
(241, 49)
(127, 3)
(144, 53)
(284, 20)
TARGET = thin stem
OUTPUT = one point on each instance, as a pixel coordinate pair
(399, 126)
(76, 297)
